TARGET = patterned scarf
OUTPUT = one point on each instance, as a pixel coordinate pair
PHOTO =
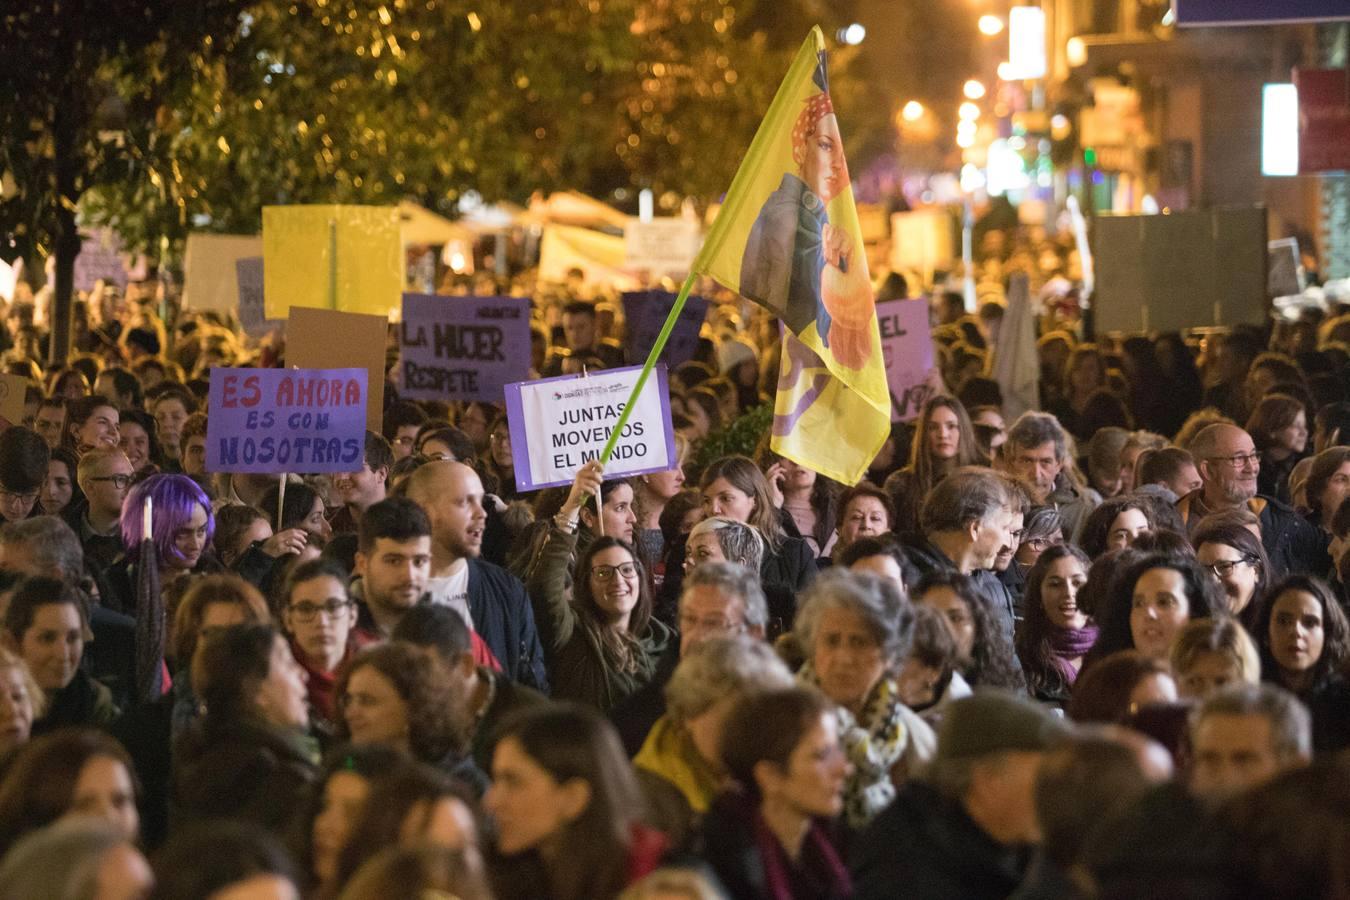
(874, 742)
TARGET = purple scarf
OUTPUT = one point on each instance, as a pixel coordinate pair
(1070, 643)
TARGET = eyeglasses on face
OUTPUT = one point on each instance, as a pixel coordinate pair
(118, 481)
(308, 612)
(606, 573)
(1224, 567)
(9, 496)
(1239, 460)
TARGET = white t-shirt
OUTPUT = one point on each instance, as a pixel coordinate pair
(453, 591)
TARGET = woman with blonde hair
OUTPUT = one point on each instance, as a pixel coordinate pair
(1208, 654)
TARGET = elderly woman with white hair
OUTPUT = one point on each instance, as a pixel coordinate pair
(855, 629)
(679, 766)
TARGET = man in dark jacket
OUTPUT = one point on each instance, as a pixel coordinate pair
(964, 831)
(968, 519)
(1229, 465)
(492, 601)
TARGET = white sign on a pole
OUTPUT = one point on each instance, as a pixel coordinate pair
(559, 424)
(661, 245)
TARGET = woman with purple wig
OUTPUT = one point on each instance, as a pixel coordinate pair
(181, 530)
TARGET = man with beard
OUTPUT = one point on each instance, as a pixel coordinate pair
(492, 601)
(1228, 464)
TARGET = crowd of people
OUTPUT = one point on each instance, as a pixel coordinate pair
(1096, 651)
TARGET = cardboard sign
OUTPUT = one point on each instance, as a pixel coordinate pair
(210, 279)
(324, 339)
(907, 345)
(661, 245)
(559, 424)
(645, 312)
(249, 272)
(463, 348)
(348, 258)
(13, 389)
(286, 420)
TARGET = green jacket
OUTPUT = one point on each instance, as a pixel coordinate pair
(578, 666)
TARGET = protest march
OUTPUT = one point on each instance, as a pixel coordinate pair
(986, 538)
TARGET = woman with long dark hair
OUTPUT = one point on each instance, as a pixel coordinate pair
(1150, 602)
(984, 652)
(603, 643)
(567, 808)
(810, 501)
(944, 441)
(1236, 559)
(1305, 648)
(1056, 633)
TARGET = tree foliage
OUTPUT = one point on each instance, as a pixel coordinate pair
(372, 101)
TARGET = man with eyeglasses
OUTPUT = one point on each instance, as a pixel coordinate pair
(718, 598)
(320, 618)
(1228, 464)
(401, 422)
(104, 476)
(23, 468)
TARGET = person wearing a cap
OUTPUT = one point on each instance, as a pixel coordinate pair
(964, 828)
(23, 468)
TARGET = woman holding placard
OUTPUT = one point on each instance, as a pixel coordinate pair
(602, 642)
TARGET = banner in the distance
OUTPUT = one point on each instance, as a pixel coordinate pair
(463, 348)
(559, 424)
(907, 346)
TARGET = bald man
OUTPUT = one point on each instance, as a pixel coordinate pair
(1228, 463)
(495, 601)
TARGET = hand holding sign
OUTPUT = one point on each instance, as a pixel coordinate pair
(587, 483)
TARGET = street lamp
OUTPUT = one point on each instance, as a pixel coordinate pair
(852, 34)
(990, 25)
(912, 111)
(973, 89)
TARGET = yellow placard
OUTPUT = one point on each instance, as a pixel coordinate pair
(347, 258)
(209, 276)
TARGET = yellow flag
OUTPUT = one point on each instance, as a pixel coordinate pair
(788, 238)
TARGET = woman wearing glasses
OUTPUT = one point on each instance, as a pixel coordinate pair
(319, 619)
(604, 644)
(1233, 555)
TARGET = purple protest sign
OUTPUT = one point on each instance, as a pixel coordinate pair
(558, 424)
(907, 345)
(286, 420)
(463, 348)
(646, 311)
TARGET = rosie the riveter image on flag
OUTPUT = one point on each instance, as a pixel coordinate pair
(788, 238)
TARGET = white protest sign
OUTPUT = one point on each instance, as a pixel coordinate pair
(661, 245)
(559, 424)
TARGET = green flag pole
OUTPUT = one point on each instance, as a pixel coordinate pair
(647, 367)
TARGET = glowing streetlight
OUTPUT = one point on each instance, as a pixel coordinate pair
(968, 111)
(973, 89)
(965, 140)
(1005, 72)
(912, 111)
(852, 34)
(990, 25)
